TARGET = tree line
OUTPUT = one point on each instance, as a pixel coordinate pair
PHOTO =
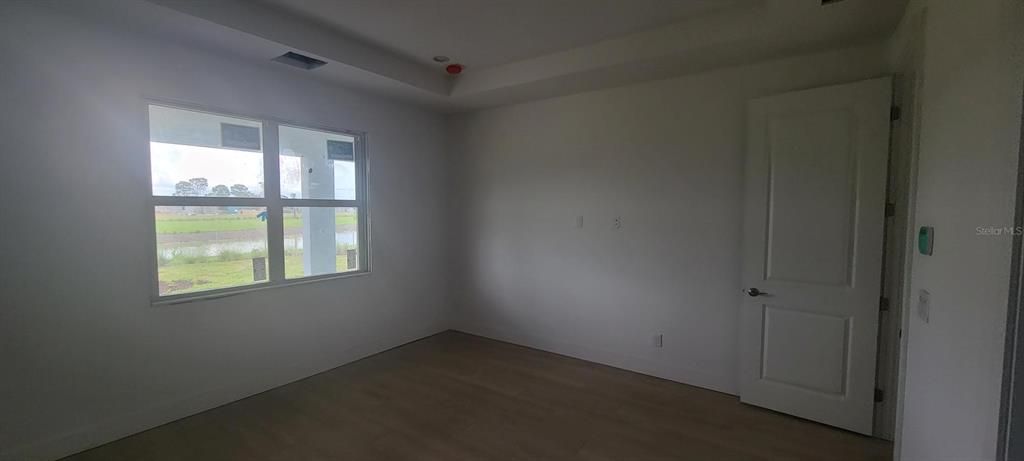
(201, 187)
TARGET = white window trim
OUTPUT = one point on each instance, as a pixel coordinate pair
(271, 200)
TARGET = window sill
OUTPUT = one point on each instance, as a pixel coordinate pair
(229, 292)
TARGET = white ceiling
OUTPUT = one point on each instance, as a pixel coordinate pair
(483, 33)
(515, 50)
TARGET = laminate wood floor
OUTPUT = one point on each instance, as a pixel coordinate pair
(455, 396)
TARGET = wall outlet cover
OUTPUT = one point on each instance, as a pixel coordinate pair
(924, 305)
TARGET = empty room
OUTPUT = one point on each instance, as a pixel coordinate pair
(593, 230)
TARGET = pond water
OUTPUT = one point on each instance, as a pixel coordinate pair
(216, 247)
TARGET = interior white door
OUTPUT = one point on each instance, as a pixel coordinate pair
(815, 210)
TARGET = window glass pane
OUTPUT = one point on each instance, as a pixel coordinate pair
(195, 154)
(317, 164)
(320, 240)
(209, 247)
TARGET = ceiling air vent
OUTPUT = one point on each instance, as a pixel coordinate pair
(827, 2)
(299, 60)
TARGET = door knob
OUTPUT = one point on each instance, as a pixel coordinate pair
(753, 292)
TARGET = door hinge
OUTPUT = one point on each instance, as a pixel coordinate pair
(895, 113)
(879, 395)
(890, 210)
(883, 304)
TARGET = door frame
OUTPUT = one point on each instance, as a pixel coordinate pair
(907, 98)
(907, 86)
(1011, 405)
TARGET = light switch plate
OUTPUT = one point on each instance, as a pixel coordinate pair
(924, 305)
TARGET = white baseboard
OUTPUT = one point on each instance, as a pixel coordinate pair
(123, 425)
(642, 365)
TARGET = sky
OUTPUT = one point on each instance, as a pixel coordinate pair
(172, 163)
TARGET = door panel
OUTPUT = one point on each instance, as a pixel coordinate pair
(811, 191)
(805, 349)
(815, 208)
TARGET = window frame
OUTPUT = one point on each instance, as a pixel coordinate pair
(271, 200)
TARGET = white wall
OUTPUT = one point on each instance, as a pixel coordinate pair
(85, 357)
(667, 158)
(973, 73)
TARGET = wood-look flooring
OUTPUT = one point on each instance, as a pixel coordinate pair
(455, 396)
